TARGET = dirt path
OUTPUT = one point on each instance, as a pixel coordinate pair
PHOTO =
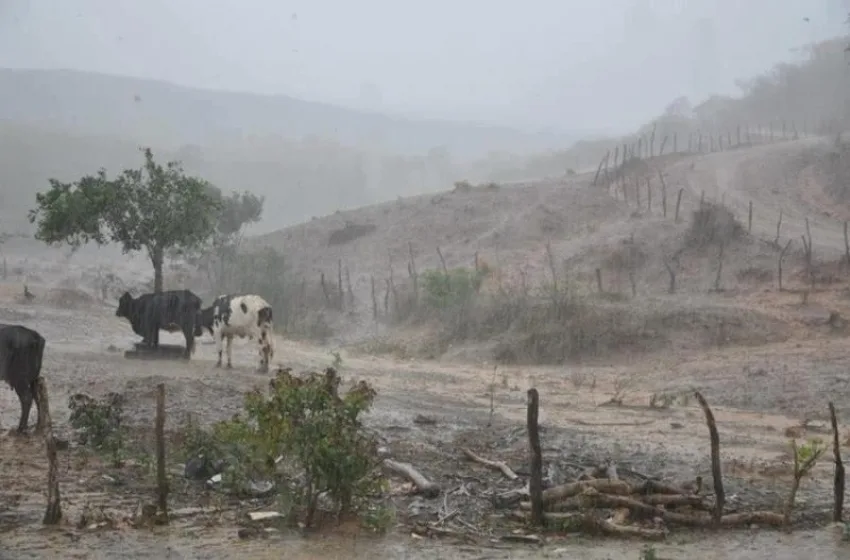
(761, 174)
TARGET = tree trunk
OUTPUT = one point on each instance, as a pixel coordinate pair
(157, 259)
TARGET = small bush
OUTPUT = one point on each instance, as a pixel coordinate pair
(99, 423)
(319, 434)
(713, 224)
(349, 233)
(446, 290)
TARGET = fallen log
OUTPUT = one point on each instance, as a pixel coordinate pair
(667, 500)
(594, 499)
(657, 487)
(423, 485)
(496, 465)
(590, 523)
(510, 499)
(605, 485)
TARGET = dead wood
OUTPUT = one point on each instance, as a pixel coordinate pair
(594, 499)
(838, 486)
(535, 454)
(510, 499)
(423, 485)
(720, 495)
(161, 477)
(564, 491)
(53, 513)
(779, 265)
(657, 487)
(590, 523)
(678, 205)
(496, 465)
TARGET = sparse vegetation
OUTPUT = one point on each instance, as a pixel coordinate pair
(713, 224)
(308, 440)
(99, 424)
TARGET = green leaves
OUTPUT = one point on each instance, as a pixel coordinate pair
(153, 207)
(316, 429)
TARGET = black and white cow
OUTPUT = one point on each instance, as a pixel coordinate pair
(21, 353)
(174, 310)
(243, 316)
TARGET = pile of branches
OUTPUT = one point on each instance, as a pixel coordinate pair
(644, 509)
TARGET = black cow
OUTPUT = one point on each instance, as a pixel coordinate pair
(21, 352)
(170, 311)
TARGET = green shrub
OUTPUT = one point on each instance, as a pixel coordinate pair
(319, 432)
(447, 290)
(99, 423)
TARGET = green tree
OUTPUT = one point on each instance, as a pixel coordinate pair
(154, 208)
(218, 255)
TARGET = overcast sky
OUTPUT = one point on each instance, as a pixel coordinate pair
(568, 64)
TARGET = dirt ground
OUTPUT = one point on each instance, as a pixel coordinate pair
(758, 393)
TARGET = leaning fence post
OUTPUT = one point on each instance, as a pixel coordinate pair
(161, 478)
(53, 514)
(535, 485)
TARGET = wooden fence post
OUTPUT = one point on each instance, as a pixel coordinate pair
(535, 484)
(161, 478)
(53, 514)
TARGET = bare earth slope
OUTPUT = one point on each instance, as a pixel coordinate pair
(762, 392)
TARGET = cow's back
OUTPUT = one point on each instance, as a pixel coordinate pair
(174, 306)
(21, 353)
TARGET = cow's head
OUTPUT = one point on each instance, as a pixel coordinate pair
(125, 303)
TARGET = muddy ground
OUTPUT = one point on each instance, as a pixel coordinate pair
(757, 394)
(769, 382)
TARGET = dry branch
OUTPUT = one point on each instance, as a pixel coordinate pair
(678, 204)
(719, 267)
(838, 486)
(53, 513)
(782, 256)
(750, 219)
(423, 485)
(778, 226)
(846, 245)
(496, 465)
(605, 485)
(720, 495)
(663, 194)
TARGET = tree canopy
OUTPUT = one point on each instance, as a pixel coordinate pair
(154, 208)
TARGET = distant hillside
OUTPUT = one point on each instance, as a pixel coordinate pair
(167, 114)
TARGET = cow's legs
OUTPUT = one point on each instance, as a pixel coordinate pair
(39, 425)
(189, 335)
(229, 351)
(265, 350)
(25, 395)
(218, 342)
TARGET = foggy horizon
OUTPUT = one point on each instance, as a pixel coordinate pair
(485, 63)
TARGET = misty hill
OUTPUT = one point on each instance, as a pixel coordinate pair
(163, 113)
(791, 99)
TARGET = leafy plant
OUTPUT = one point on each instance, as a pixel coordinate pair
(306, 421)
(444, 290)
(154, 208)
(805, 458)
(99, 424)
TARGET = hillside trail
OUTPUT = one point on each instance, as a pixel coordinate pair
(772, 189)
